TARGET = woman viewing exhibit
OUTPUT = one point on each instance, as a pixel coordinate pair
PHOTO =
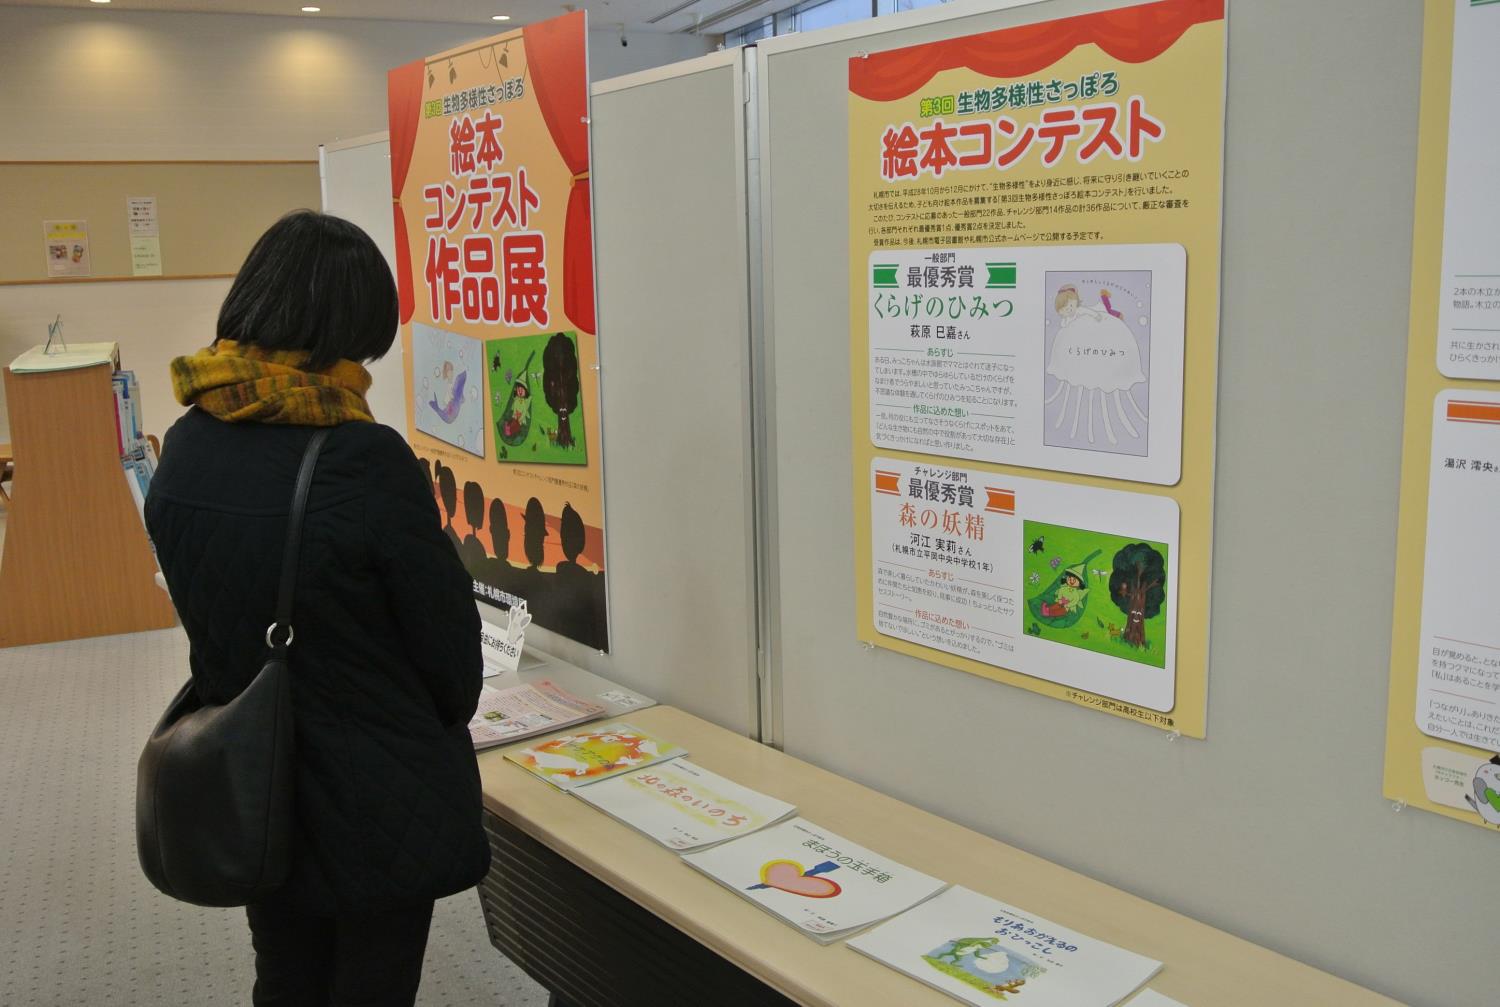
(385, 666)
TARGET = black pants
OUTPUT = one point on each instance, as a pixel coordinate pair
(352, 960)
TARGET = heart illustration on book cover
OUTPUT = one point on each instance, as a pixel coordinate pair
(790, 877)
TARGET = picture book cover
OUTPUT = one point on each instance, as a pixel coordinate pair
(572, 760)
(524, 711)
(982, 951)
(684, 806)
(819, 882)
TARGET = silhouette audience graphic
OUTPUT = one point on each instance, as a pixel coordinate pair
(568, 598)
(471, 550)
(447, 486)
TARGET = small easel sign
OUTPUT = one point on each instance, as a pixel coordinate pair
(502, 647)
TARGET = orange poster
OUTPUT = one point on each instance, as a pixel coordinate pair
(494, 261)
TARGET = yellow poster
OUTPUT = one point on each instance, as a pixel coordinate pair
(1443, 718)
(1034, 283)
(494, 263)
(67, 247)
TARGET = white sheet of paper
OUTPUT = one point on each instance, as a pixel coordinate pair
(1468, 344)
(140, 214)
(951, 573)
(1458, 682)
(1067, 358)
(74, 356)
(145, 255)
(967, 944)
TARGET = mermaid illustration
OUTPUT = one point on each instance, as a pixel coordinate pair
(455, 389)
(1096, 352)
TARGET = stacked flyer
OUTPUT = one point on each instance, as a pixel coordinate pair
(524, 711)
(137, 457)
(971, 947)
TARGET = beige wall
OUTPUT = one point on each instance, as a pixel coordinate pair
(153, 322)
(88, 84)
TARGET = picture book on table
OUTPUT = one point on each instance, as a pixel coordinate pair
(684, 806)
(572, 760)
(983, 952)
(821, 883)
(524, 711)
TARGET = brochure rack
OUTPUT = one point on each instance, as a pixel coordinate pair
(77, 562)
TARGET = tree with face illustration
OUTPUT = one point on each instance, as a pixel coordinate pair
(1138, 586)
(560, 384)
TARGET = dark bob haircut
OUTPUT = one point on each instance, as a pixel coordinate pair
(317, 283)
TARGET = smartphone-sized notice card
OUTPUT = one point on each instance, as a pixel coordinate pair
(572, 760)
(821, 883)
(980, 951)
(1458, 689)
(684, 806)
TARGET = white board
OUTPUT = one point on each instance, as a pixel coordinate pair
(1274, 828)
(356, 181)
(669, 195)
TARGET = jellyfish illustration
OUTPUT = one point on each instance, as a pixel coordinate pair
(1096, 352)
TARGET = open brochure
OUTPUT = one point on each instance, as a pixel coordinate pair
(572, 760)
(821, 883)
(524, 711)
(982, 952)
(684, 806)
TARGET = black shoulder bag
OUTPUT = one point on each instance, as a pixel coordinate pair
(213, 795)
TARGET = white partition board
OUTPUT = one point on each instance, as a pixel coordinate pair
(672, 268)
(669, 201)
(356, 178)
(1274, 827)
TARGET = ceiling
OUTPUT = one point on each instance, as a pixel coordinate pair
(635, 15)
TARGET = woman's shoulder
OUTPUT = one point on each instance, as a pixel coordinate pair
(374, 442)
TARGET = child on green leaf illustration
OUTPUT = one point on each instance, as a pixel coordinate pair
(1063, 602)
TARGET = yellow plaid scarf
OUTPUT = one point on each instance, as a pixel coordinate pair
(247, 384)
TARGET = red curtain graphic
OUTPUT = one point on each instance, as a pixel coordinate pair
(404, 105)
(557, 61)
(1131, 35)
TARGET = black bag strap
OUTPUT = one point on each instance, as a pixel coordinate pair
(288, 583)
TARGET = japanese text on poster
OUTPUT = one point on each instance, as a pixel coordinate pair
(1443, 720)
(494, 249)
(1034, 259)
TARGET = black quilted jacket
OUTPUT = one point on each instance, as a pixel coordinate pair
(386, 664)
